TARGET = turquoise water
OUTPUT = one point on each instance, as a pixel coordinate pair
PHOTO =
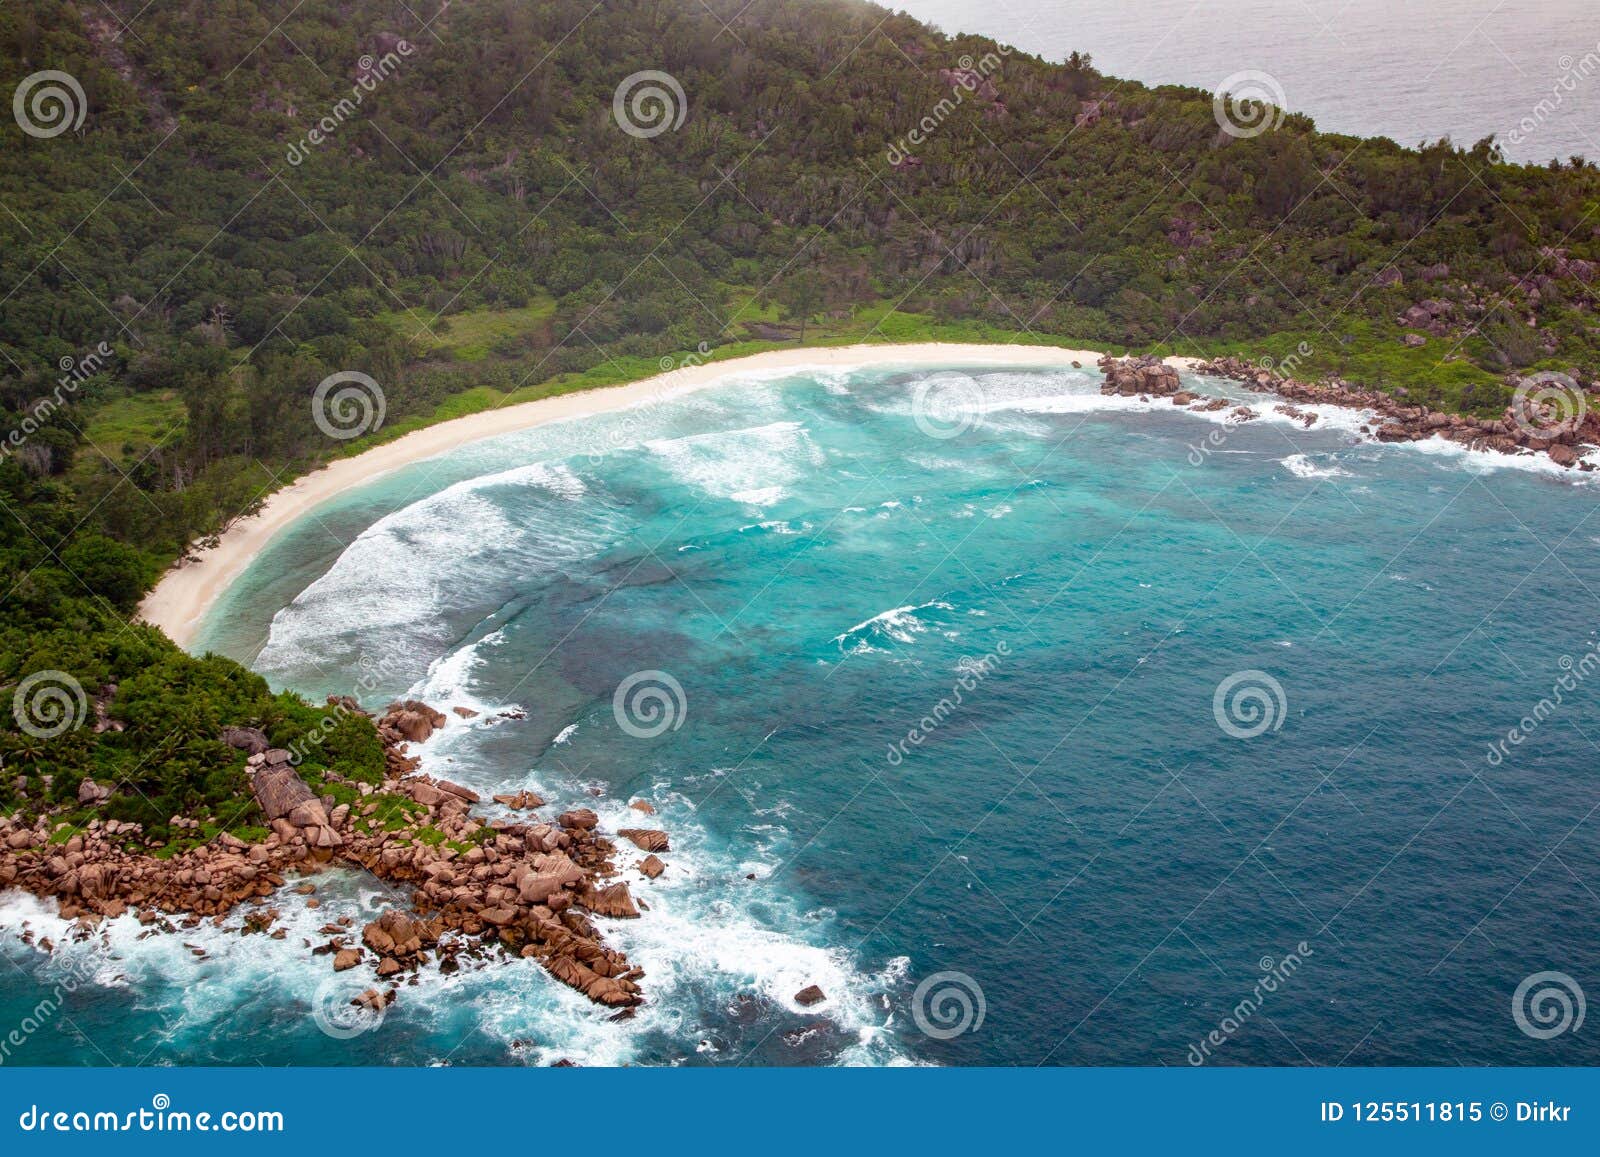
(939, 656)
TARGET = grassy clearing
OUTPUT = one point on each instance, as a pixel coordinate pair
(132, 423)
(472, 335)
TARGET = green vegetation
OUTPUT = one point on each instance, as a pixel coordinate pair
(472, 335)
(478, 230)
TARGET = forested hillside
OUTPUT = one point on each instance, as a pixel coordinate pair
(232, 201)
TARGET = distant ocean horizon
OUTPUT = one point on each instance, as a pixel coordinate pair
(1527, 73)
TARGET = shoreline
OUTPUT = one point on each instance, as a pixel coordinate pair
(180, 601)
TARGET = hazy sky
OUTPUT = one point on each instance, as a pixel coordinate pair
(1402, 68)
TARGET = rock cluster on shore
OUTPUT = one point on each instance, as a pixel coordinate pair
(1130, 377)
(1396, 419)
(528, 887)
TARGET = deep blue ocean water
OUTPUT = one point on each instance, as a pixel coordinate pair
(1050, 586)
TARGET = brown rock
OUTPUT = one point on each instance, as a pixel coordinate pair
(250, 740)
(615, 901)
(581, 818)
(424, 793)
(309, 814)
(413, 720)
(90, 792)
(520, 801)
(809, 995)
(346, 958)
(279, 790)
(537, 888)
(646, 839)
(652, 866)
(462, 793)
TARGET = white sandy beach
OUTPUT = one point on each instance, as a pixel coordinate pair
(180, 601)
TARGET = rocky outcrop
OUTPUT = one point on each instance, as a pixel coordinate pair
(1131, 377)
(527, 889)
(615, 901)
(411, 721)
(431, 792)
(250, 740)
(291, 808)
(92, 793)
(1398, 420)
(646, 839)
(103, 870)
(520, 801)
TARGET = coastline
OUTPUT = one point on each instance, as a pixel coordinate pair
(179, 603)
